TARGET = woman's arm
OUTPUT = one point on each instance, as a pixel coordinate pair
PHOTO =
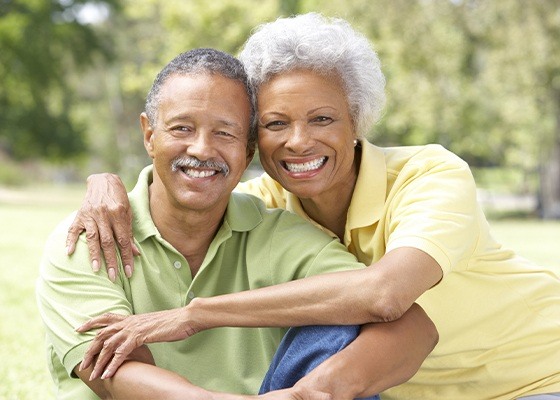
(384, 355)
(380, 293)
(106, 218)
(384, 291)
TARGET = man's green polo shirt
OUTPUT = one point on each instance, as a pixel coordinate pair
(254, 247)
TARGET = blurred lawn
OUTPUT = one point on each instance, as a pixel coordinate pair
(27, 218)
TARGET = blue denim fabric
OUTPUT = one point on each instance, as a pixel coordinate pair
(302, 349)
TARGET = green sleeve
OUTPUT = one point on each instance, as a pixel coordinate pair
(69, 293)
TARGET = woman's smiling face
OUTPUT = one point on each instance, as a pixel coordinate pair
(306, 133)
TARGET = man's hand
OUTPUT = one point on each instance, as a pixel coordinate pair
(122, 334)
(106, 218)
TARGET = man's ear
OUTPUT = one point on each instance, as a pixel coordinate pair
(148, 134)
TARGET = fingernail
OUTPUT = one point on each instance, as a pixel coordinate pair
(82, 366)
(112, 274)
(104, 376)
(128, 271)
(67, 250)
(95, 265)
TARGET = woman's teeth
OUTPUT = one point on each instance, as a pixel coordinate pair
(305, 167)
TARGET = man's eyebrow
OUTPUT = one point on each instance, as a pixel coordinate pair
(188, 117)
(229, 123)
(180, 117)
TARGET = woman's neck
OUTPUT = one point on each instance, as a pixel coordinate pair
(330, 209)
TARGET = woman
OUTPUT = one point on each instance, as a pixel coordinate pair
(408, 212)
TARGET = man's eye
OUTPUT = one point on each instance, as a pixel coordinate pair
(223, 133)
(181, 128)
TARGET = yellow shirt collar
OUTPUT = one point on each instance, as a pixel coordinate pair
(369, 195)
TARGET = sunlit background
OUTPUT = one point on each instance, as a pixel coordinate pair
(481, 77)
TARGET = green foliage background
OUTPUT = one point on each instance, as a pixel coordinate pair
(481, 77)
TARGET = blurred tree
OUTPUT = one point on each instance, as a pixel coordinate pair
(480, 77)
(147, 35)
(41, 42)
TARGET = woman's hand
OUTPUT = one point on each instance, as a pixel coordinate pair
(296, 393)
(122, 334)
(106, 218)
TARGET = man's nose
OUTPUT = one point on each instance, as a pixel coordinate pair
(201, 146)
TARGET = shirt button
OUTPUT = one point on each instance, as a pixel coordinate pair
(177, 264)
(190, 295)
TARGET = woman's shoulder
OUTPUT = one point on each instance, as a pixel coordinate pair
(265, 188)
(422, 154)
(422, 158)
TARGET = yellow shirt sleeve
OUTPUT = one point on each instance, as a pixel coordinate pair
(432, 206)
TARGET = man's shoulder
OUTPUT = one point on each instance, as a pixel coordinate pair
(59, 233)
(55, 260)
(277, 221)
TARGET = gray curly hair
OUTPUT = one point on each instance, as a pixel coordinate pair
(325, 45)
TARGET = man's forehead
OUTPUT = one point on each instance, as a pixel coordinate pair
(214, 95)
(201, 85)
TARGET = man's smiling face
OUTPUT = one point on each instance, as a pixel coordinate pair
(199, 141)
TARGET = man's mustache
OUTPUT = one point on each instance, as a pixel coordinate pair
(193, 162)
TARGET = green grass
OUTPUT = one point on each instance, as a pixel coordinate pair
(27, 218)
(533, 239)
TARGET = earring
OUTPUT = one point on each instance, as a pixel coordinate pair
(355, 142)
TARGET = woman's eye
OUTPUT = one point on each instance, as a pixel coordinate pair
(275, 125)
(322, 120)
(225, 134)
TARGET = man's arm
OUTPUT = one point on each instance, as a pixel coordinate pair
(140, 379)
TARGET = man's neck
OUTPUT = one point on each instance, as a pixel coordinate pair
(188, 231)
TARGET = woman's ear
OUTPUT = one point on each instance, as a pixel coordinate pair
(148, 134)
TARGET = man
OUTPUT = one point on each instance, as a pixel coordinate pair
(196, 239)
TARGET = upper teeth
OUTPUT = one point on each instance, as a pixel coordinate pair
(308, 166)
(195, 173)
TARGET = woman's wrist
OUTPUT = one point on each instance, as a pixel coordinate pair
(336, 376)
(196, 317)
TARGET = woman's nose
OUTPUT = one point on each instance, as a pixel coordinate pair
(299, 138)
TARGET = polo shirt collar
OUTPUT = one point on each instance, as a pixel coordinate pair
(368, 199)
(142, 224)
(242, 213)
